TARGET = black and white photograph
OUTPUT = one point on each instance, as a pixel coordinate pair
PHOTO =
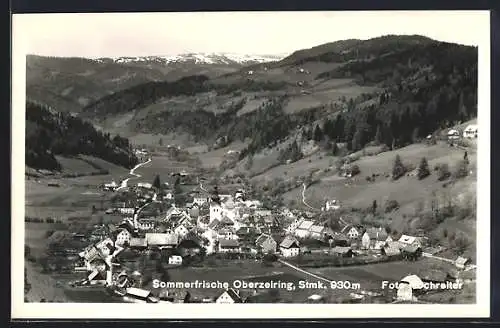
(327, 164)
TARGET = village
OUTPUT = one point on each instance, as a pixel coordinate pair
(214, 227)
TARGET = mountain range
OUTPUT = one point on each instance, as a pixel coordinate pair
(68, 84)
(392, 88)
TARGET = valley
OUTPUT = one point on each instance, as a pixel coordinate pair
(349, 137)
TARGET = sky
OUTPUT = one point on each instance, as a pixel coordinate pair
(149, 34)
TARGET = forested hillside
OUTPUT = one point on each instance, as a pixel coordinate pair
(50, 133)
(410, 86)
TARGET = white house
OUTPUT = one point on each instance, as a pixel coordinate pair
(126, 210)
(406, 240)
(303, 230)
(122, 237)
(406, 287)
(374, 238)
(110, 186)
(200, 200)
(182, 229)
(289, 247)
(350, 231)
(229, 296)
(175, 259)
(215, 212)
(331, 205)
(145, 185)
(470, 131)
(453, 134)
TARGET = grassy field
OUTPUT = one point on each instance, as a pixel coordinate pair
(371, 276)
(67, 200)
(214, 158)
(326, 96)
(317, 161)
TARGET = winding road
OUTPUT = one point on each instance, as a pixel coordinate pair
(132, 172)
(304, 198)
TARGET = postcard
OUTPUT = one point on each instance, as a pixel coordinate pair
(251, 165)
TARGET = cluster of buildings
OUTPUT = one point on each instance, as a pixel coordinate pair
(470, 132)
(225, 224)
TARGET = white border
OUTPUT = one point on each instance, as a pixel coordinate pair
(21, 310)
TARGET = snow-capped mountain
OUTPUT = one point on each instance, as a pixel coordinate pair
(200, 58)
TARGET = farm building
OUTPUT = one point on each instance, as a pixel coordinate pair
(374, 238)
(266, 243)
(342, 251)
(145, 185)
(462, 262)
(453, 134)
(408, 286)
(122, 237)
(163, 240)
(303, 230)
(229, 296)
(175, 259)
(405, 240)
(470, 131)
(229, 246)
(289, 247)
(351, 231)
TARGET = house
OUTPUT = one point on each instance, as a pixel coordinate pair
(453, 134)
(263, 213)
(408, 286)
(138, 243)
(215, 211)
(226, 233)
(200, 200)
(289, 247)
(229, 296)
(229, 246)
(351, 231)
(122, 237)
(266, 244)
(175, 259)
(302, 231)
(374, 238)
(110, 186)
(163, 240)
(405, 240)
(343, 251)
(145, 185)
(470, 131)
(462, 262)
(146, 224)
(126, 210)
(247, 233)
(320, 232)
(183, 229)
(331, 205)
(391, 249)
(339, 239)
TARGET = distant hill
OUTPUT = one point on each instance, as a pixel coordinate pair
(50, 133)
(68, 84)
(392, 89)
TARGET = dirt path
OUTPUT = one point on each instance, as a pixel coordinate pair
(304, 271)
(124, 183)
(304, 198)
